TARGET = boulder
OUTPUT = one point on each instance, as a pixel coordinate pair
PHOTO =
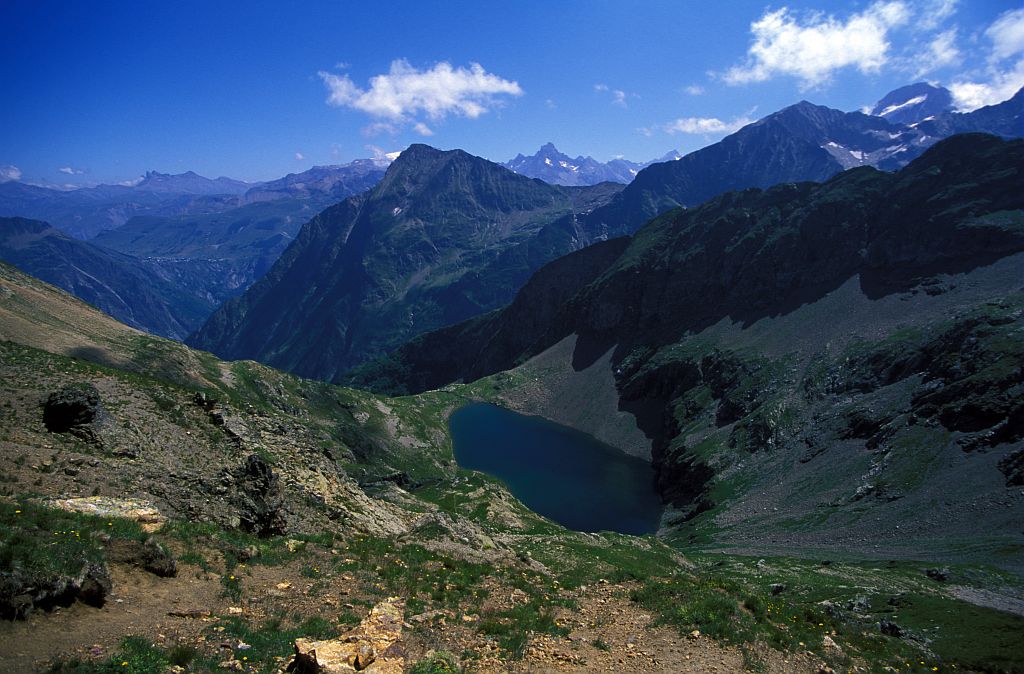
(76, 405)
(374, 646)
(148, 555)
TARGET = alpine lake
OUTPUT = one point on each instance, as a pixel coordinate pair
(556, 471)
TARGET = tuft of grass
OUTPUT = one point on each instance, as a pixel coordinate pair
(231, 586)
(441, 662)
(513, 627)
(135, 656)
(45, 543)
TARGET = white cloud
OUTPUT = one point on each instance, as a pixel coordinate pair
(1001, 85)
(299, 156)
(705, 125)
(378, 128)
(694, 90)
(813, 48)
(550, 104)
(405, 92)
(941, 52)
(422, 129)
(9, 173)
(931, 13)
(71, 171)
(380, 154)
(618, 95)
(999, 80)
(1007, 34)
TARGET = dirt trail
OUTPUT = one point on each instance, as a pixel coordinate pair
(608, 632)
(138, 605)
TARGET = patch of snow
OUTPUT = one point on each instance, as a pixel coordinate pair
(858, 154)
(547, 161)
(396, 211)
(893, 108)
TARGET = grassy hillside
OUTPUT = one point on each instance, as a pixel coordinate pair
(294, 506)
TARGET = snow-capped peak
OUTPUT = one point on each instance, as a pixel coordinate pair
(916, 100)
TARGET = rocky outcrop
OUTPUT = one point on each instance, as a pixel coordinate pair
(259, 498)
(20, 594)
(374, 646)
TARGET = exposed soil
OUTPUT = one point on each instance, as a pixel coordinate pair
(608, 633)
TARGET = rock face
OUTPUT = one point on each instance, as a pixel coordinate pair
(373, 646)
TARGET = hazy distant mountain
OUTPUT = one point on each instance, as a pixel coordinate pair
(914, 103)
(218, 255)
(120, 285)
(555, 168)
(189, 242)
(333, 182)
(442, 237)
(188, 183)
(85, 212)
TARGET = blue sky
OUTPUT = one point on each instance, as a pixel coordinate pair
(101, 92)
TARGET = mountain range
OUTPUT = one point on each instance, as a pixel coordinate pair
(551, 166)
(809, 335)
(85, 212)
(416, 267)
(442, 237)
(167, 273)
(123, 286)
(793, 357)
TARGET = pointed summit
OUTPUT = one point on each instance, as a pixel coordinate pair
(556, 168)
(914, 103)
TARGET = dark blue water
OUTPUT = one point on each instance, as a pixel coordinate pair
(565, 475)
